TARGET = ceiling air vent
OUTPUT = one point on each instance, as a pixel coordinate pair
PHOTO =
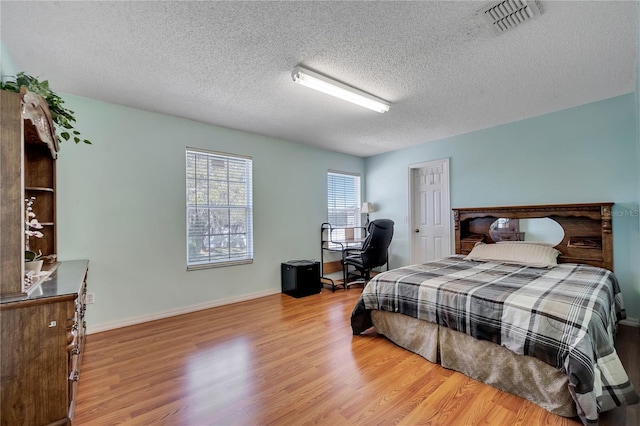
(508, 14)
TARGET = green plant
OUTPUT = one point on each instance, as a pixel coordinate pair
(61, 116)
(32, 256)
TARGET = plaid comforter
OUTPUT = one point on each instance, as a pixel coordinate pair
(565, 316)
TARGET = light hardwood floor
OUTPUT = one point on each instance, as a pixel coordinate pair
(284, 361)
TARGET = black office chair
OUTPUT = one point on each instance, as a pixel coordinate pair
(374, 251)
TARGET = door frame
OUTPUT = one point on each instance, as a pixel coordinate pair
(446, 205)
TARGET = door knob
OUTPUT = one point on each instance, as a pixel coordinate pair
(417, 230)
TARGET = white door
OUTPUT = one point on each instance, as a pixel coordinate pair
(431, 213)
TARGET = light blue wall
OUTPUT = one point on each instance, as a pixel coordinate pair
(637, 260)
(121, 203)
(7, 65)
(580, 155)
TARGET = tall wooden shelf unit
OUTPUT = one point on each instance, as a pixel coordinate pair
(42, 329)
(28, 160)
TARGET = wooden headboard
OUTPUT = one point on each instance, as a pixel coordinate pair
(587, 229)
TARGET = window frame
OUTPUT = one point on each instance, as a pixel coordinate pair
(218, 245)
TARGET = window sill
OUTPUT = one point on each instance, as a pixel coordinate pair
(218, 264)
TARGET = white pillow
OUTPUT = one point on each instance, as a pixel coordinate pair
(524, 254)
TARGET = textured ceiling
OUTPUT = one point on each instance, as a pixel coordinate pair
(229, 63)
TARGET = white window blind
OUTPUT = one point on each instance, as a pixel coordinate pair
(343, 201)
(219, 209)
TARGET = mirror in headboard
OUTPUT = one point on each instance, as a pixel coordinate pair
(582, 231)
(541, 229)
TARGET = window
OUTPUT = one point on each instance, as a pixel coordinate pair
(219, 209)
(343, 202)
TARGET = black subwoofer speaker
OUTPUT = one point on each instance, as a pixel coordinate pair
(300, 278)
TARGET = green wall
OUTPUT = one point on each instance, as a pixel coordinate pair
(7, 66)
(121, 204)
(579, 155)
(636, 285)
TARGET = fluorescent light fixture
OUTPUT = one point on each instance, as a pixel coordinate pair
(339, 90)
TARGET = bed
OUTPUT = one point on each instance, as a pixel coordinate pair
(533, 320)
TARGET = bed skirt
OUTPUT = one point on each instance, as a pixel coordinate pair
(520, 375)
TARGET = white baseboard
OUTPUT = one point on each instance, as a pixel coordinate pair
(633, 322)
(179, 311)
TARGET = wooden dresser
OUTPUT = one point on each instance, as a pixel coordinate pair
(42, 324)
(42, 345)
